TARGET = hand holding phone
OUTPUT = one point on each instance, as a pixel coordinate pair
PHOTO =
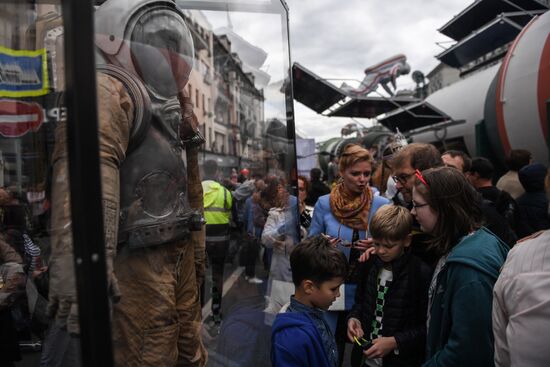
(363, 343)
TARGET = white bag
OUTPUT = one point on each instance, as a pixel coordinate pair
(279, 296)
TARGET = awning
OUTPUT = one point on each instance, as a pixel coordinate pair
(498, 32)
(413, 116)
(370, 107)
(482, 12)
(313, 91)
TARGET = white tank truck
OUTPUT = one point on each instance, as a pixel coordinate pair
(505, 106)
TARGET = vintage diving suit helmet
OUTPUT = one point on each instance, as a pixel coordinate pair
(148, 38)
(146, 45)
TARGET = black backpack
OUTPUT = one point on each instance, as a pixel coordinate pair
(508, 208)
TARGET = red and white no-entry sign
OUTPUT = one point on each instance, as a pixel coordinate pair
(18, 117)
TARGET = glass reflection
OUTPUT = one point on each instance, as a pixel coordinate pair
(31, 116)
(232, 88)
(240, 92)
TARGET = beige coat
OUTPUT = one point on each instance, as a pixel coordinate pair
(521, 305)
(509, 182)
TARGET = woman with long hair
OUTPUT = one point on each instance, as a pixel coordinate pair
(263, 200)
(460, 293)
(279, 236)
(344, 216)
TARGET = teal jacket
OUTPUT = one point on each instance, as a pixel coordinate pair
(460, 329)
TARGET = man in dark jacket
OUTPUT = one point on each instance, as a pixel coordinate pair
(499, 208)
(317, 187)
(533, 205)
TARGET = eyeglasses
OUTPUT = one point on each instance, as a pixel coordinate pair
(403, 178)
(418, 175)
(416, 206)
(301, 189)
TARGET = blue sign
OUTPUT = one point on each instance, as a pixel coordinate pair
(23, 73)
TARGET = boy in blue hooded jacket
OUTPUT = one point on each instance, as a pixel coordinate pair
(300, 334)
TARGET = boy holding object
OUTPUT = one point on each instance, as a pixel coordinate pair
(387, 324)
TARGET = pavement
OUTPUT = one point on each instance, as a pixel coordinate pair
(242, 339)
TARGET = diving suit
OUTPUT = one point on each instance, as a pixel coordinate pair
(151, 188)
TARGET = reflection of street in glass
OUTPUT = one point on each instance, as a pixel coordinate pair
(243, 327)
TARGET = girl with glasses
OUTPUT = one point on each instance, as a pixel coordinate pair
(470, 257)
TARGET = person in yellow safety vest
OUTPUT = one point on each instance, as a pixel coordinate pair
(217, 213)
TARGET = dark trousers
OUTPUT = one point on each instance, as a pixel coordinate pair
(356, 356)
(249, 253)
(217, 252)
(9, 345)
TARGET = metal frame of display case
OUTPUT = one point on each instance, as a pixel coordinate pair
(85, 184)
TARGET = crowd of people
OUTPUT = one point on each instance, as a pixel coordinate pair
(398, 261)
(411, 264)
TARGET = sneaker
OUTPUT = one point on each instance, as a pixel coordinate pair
(254, 280)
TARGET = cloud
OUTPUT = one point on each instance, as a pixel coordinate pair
(339, 39)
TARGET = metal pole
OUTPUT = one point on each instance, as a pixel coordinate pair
(289, 101)
(85, 184)
(18, 163)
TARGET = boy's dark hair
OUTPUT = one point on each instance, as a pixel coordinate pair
(483, 167)
(391, 222)
(517, 159)
(465, 158)
(317, 260)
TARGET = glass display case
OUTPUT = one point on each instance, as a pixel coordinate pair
(148, 193)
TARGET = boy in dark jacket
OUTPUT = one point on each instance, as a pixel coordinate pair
(300, 335)
(387, 324)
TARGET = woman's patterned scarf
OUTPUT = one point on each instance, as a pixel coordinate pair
(351, 211)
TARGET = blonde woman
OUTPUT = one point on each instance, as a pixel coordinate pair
(344, 216)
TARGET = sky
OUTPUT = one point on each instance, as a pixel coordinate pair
(338, 39)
